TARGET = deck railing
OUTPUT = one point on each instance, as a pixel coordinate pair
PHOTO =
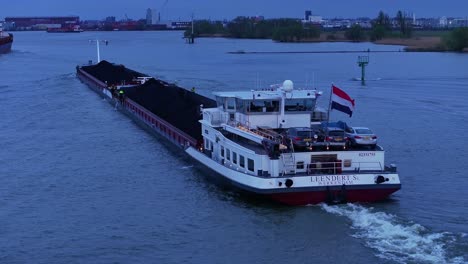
(336, 167)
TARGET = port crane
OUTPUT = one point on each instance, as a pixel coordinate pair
(163, 6)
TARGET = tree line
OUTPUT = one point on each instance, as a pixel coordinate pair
(293, 30)
(283, 29)
(382, 27)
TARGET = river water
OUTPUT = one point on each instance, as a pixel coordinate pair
(82, 183)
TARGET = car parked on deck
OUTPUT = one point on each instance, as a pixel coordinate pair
(361, 136)
(335, 137)
(304, 137)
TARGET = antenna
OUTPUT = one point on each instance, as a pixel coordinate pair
(97, 47)
(313, 80)
(192, 24)
(257, 83)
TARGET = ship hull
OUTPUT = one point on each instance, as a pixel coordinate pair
(336, 195)
(64, 31)
(5, 44)
(302, 191)
(310, 196)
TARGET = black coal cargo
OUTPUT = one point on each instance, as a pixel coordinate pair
(174, 104)
(112, 73)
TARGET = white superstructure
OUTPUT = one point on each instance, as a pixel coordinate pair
(244, 141)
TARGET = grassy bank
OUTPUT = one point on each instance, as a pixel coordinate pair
(422, 41)
(415, 43)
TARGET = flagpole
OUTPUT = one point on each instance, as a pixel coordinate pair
(329, 105)
(328, 113)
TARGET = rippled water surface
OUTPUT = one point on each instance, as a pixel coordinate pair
(81, 183)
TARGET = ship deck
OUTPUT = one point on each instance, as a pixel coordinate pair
(259, 149)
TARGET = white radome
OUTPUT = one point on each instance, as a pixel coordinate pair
(288, 86)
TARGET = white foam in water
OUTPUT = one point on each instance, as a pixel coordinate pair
(402, 243)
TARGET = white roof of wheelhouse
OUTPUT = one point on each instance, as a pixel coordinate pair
(272, 93)
(269, 95)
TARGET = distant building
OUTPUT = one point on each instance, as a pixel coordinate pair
(152, 17)
(91, 24)
(315, 19)
(309, 18)
(149, 16)
(110, 19)
(443, 22)
(428, 22)
(458, 22)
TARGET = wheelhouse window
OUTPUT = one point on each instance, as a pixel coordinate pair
(230, 103)
(294, 105)
(240, 106)
(220, 102)
(263, 106)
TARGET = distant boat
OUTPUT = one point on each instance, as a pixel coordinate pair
(73, 29)
(359, 79)
(6, 40)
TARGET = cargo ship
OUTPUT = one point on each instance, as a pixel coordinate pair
(6, 41)
(242, 137)
(69, 29)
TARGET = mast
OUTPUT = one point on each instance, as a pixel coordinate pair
(98, 52)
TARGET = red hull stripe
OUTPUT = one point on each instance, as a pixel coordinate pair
(353, 196)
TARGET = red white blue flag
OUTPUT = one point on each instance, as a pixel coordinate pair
(341, 101)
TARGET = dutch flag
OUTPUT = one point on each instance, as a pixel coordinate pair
(341, 101)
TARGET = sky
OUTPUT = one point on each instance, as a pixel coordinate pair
(228, 9)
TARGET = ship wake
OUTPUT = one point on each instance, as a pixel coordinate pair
(398, 241)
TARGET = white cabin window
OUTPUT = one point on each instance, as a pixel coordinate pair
(250, 165)
(228, 154)
(234, 157)
(222, 151)
(242, 161)
(300, 165)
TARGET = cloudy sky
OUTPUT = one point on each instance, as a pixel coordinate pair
(220, 9)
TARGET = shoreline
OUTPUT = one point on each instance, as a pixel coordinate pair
(413, 44)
